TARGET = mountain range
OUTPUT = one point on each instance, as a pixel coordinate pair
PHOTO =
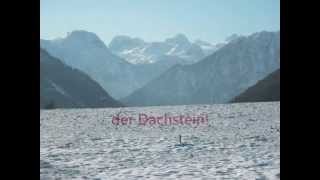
(218, 77)
(137, 51)
(172, 72)
(85, 51)
(120, 74)
(64, 87)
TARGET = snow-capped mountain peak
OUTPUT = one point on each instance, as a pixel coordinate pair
(137, 51)
(122, 42)
(178, 39)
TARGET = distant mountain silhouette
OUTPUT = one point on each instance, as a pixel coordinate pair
(64, 87)
(218, 78)
(137, 51)
(87, 52)
(267, 89)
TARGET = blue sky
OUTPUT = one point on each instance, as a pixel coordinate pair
(156, 20)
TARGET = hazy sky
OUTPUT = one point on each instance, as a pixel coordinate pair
(155, 20)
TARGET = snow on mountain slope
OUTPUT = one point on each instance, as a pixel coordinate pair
(137, 51)
(217, 78)
(208, 48)
(85, 51)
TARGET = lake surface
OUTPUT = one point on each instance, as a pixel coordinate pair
(239, 141)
